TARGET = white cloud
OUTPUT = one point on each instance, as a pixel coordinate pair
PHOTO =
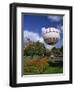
(35, 37)
(43, 29)
(32, 36)
(59, 44)
(41, 40)
(60, 27)
(55, 18)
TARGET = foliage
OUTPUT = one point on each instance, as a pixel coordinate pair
(38, 48)
(35, 49)
(57, 51)
(42, 66)
(35, 66)
(37, 59)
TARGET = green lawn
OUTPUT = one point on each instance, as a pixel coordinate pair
(49, 70)
(53, 70)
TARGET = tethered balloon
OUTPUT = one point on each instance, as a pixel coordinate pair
(51, 35)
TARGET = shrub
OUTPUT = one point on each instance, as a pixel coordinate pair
(35, 66)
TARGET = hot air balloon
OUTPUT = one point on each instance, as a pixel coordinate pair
(51, 35)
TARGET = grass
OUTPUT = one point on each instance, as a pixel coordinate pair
(49, 70)
(53, 70)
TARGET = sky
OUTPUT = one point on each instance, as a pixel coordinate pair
(33, 24)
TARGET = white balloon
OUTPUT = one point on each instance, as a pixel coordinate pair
(51, 35)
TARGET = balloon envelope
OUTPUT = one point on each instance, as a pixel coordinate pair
(51, 35)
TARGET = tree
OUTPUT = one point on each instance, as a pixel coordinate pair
(36, 48)
(40, 48)
(48, 52)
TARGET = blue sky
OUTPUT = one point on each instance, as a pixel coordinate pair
(33, 24)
